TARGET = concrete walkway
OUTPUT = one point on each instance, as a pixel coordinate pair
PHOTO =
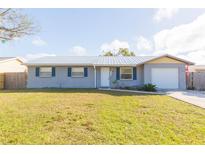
(193, 97)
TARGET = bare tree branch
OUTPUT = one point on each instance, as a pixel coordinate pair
(4, 12)
(14, 24)
(3, 38)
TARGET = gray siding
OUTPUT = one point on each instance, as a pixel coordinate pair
(61, 79)
(127, 83)
(181, 68)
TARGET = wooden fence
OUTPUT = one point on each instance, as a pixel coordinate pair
(13, 80)
(196, 80)
(1, 80)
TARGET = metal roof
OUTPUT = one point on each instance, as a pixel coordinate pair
(95, 60)
(89, 60)
(121, 60)
(63, 60)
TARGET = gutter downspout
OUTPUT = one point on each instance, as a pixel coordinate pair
(95, 77)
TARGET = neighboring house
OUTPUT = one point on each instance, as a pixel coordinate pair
(166, 71)
(12, 73)
(197, 68)
(196, 77)
(11, 64)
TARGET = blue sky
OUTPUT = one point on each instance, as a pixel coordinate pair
(89, 31)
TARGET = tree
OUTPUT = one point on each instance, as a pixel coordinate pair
(125, 52)
(14, 24)
(108, 53)
(121, 52)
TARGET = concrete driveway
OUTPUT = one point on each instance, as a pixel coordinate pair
(193, 97)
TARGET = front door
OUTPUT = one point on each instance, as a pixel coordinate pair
(105, 73)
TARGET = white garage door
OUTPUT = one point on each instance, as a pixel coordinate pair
(165, 78)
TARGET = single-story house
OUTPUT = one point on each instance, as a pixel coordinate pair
(11, 64)
(197, 68)
(196, 77)
(166, 71)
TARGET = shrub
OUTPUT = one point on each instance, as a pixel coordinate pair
(190, 88)
(146, 87)
(149, 87)
(115, 84)
(132, 88)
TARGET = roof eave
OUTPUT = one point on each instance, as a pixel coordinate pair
(3, 61)
(55, 64)
(170, 56)
(106, 65)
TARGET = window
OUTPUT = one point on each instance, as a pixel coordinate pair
(126, 73)
(77, 72)
(45, 72)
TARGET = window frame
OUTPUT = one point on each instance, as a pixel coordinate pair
(83, 71)
(126, 73)
(40, 68)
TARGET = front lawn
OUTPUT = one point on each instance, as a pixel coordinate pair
(97, 117)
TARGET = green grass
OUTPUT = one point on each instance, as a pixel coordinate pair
(97, 117)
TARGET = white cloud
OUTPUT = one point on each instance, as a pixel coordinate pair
(167, 13)
(114, 46)
(78, 51)
(38, 42)
(184, 40)
(37, 55)
(198, 57)
(143, 44)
